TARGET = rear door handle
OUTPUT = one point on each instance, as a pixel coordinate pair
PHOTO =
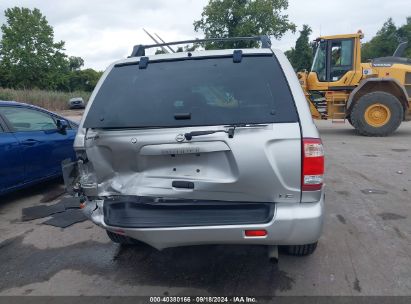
(30, 142)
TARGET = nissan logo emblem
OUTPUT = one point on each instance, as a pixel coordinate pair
(180, 138)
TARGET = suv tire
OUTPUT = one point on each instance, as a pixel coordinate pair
(121, 239)
(301, 250)
(384, 105)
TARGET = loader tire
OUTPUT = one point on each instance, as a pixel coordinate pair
(301, 250)
(121, 239)
(377, 114)
(349, 120)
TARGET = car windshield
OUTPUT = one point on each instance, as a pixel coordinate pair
(211, 91)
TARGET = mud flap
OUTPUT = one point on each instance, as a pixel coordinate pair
(70, 176)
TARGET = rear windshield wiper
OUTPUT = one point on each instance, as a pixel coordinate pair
(189, 136)
(230, 131)
(247, 125)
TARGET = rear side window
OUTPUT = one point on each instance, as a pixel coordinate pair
(213, 91)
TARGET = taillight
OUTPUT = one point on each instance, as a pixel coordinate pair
(255, 233)
(313, 164)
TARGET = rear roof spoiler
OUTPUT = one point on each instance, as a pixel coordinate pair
(139, 50)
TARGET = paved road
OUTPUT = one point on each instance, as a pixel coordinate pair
(365, 249)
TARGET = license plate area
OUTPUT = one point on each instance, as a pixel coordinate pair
(215, 166)
(188, 164)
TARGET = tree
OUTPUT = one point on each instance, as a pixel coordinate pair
(187, 48)
(383, 43)
(75, 63)
(231, 18)
(290, 55)
(404, 34)
(29, 56)
(83, 80)
(301, 56)
(160, 51)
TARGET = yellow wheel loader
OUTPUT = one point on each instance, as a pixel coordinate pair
(374, 96)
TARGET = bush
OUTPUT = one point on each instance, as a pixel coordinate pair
(51, 100)
(5, 95)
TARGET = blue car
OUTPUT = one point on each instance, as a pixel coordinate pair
(33, 143)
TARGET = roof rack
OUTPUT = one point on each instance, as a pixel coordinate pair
(139, 50)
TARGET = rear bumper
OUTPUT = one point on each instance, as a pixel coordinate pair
(292, 224)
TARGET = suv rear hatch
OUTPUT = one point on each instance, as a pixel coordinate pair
(196, 128)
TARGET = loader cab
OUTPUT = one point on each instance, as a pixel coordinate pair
(336, 64)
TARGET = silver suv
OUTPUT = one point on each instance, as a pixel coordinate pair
(205, 147)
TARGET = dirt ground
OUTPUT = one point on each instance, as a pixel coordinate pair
(74, 115)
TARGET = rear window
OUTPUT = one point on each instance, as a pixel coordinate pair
(212, 91)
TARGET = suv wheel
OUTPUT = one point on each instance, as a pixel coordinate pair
(301, 250)
(121, 239)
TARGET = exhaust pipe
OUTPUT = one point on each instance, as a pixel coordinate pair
(273, 254)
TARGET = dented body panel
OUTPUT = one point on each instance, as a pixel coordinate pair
(237, 169)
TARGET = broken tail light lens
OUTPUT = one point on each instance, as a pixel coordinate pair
(313, 164)
(88, 178)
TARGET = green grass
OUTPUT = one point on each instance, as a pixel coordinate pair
(51, 100)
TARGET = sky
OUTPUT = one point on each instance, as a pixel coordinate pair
(102, 31)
